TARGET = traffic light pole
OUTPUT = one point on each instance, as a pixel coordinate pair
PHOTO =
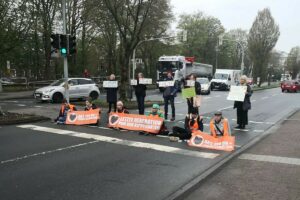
(66, 76)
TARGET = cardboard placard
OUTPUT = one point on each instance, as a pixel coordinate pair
(205, 140)
(166, 83)
(135, 122)
(188, 92)
(110, 84)
(83, 117)
(133, 82)
(145, 81)
(190, 83)
(237, 93)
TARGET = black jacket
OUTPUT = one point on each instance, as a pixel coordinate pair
(140, 89)
(111, 94)
(197, 88)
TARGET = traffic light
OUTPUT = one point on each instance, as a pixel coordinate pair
(55, 41)
(72, 45)
(63, 45)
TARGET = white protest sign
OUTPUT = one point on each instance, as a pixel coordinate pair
(190, 83)
(110, 84)
(237, 93)
(133, 82)
(145, 81)
(166, 83)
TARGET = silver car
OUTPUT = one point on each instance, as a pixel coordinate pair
(205, 85)
(79, 88)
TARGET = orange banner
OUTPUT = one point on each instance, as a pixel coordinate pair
(204, 140)
(135, 122)
(83, 117)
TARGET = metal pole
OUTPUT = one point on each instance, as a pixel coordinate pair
(133, 63)
(66, 76)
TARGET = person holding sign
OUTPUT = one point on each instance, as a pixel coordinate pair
(192, 101)
(140, 93)
(64, 109)
(219, 126)
(89, 105)
(193, 122)
(111, 95)
(155, 112)
(169, 96)
(121, 108)
(242, 107)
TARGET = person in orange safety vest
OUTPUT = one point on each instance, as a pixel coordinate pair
(219, 126)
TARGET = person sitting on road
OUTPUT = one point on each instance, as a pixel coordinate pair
(155, 112)
(193, 122)
(219, 126)
(63, 107)
(89, 105)
(121, 108)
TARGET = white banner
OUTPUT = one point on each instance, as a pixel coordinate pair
(145, 81)
(237, 93)
(133, 82)
(166, 83)
(110, 84)
(190, 83)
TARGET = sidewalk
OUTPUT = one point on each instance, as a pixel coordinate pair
(16, 95)
(269, 170)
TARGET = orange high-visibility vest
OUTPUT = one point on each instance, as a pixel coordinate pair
(62, 109)
(225, 130)
(195, 126)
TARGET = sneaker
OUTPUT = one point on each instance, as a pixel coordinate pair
(172, 119)
(174, 139)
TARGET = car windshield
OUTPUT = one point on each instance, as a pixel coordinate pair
(57, 82)
(221, 76)
(202, 81)
(165, 66)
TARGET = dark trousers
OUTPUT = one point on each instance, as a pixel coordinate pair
(181, 133)
(166, 101)
(191, 106)
(110, 104)
(242, 116)
(141, 104)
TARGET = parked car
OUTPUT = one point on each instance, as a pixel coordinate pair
(79, 88)
(205, 85)
(290, 86)
(6, 81)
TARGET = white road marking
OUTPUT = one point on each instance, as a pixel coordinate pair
(181, 122)
(180, 114)
(264, 98)
(225, 108)
(258, 131)
(254, 122)
(105, 128)
(238, 146)
(22, 105)
(206, 97)
(38, 106)
(112, 140)
(253, 100)
(272, 159)
(217, 96)
(47, 152)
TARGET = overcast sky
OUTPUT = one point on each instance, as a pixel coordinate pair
(241, 14)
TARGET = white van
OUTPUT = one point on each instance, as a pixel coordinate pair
(224, 78)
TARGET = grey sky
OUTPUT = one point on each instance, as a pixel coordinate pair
(241, 14)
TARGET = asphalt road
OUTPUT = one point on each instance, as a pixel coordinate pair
(46, 161)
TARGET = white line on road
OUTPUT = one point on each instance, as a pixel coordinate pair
(258, 131)
(47, 152)
(206, 97)
(254, 122)
(272, 159)
(264, 98)
(253, 101)
(112, 140)
(225, 108)
(38, 106)
(22, 105)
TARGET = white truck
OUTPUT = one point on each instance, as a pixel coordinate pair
(181, 66)
(224, 78)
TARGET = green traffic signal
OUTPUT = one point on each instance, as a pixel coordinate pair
(63, 51)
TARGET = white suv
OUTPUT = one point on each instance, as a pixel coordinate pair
(79, 88)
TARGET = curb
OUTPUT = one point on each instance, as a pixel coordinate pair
(182, 192)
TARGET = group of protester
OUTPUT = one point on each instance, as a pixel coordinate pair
(219, 125)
